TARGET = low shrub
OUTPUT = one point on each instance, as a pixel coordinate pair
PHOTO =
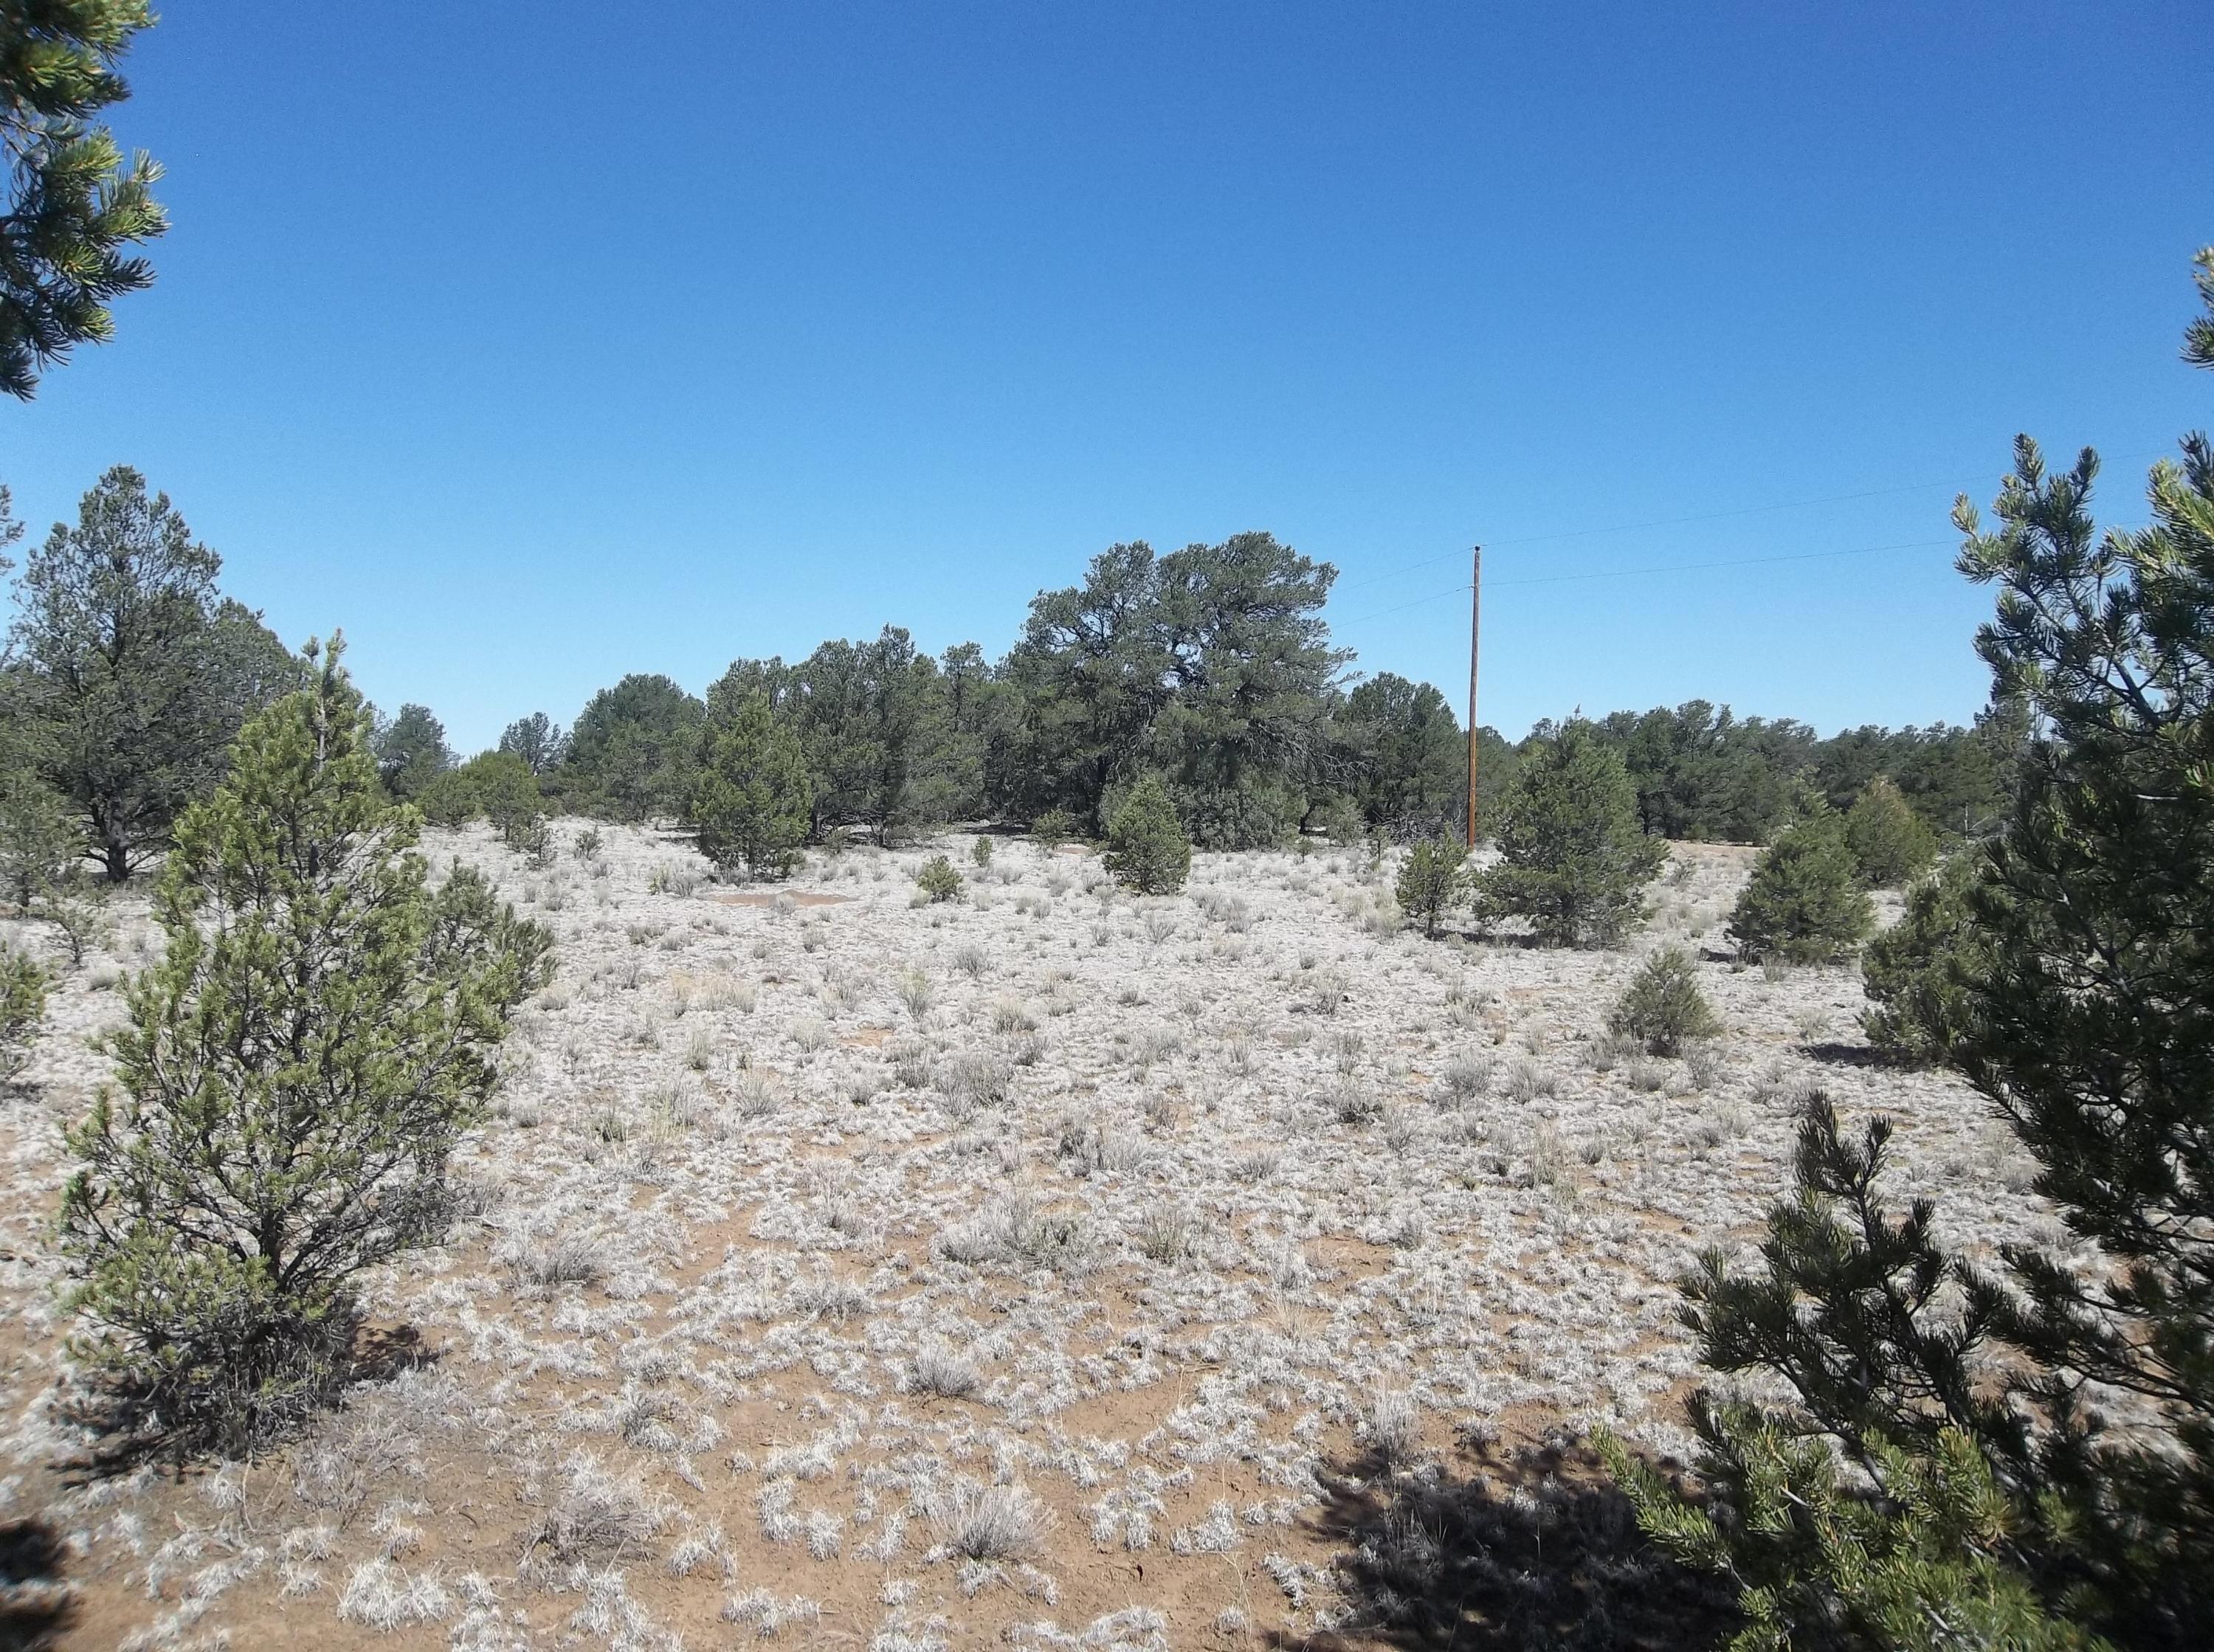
(1663, 1008)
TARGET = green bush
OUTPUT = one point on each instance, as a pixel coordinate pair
(1053, 828)
(23, 988)
(1918, 972)
(938, 880)
(1341, 821)
(980, 853)
(1432, 879)
(1662, 1008)
(449, 800)
(1573, 859)
(1146, 850)
(507, 793)
(1805, 903)
(1890, 843)
(40, 846)
(753, 799)
(293, 1073)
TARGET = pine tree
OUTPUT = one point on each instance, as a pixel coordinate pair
(23, 987)
(1573, 859)
(73, 202)
(755, 797)
(1804, 901)
(1433, 878)
(1917, 972)
(1975, 1410)
(1146, 850)
(1662, 1008)
(294, 1071)
(1889, 843)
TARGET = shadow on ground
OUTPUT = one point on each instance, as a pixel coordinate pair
(1516, 1550)
(35, 1601)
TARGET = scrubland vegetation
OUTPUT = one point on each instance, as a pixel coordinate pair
(1072, 1151)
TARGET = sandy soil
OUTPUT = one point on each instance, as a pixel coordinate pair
(1046, 1269)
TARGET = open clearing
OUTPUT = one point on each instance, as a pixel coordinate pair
(1047, 1269)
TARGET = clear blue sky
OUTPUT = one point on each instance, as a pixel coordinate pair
(535, 344)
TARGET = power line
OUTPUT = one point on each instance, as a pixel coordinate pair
(1678, 521)
(1662, 568)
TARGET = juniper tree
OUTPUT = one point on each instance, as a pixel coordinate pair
(1146, 850)
(74, 203)
(1804, 901)
(537, 740)
(2063, 1489)
(412, 751)
(293, 1073)
(755, 796)
(1573, 859)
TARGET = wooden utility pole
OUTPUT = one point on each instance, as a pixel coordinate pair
(1475, 619)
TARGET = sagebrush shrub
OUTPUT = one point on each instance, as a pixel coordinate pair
(1662, 1008)
(293, 1075)
(1804, 903)
(1147, 849)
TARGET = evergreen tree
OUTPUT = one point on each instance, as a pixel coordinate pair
(40, 846)
(1889, 843)
(23, 987)
(130, 675)
(1573, 860)
(74, 205)
(1432, 879)
(1662, 1008)
(1408, 756)
(538, 741)
(1804, 902)
(293, 1075)
(1918, 972)
(755, 797)
(633, 748)
(2086, 1012)
(411, 752)
(1146, 850)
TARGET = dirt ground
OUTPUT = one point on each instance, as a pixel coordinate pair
(1046, 1269)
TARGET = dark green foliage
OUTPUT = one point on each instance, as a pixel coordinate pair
(1700, 773)
(1804, 902)
(1662, 1008)
(755, 797)
(1918, 972)
(633, 748)
(130, 674)
(293, 1075)
(1053, 828)
(2080, 1001)
(506, 792)
(41, 845)
(980, 854)
(538, 741)
(1146, 850)
(1889, 843)
(1573, 859)
(411, 752)
(938, 880)
(23, 988)
(450, 799)
(74, 203)
(1209, 667)
(1432, 880)
(1409, 757)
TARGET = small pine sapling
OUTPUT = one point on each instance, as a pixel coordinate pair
(1890, 843)
(23, 986)
(1662, 1008)
(938, 881)
(1804, 903)
(1433, 880)
(1147, 849)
